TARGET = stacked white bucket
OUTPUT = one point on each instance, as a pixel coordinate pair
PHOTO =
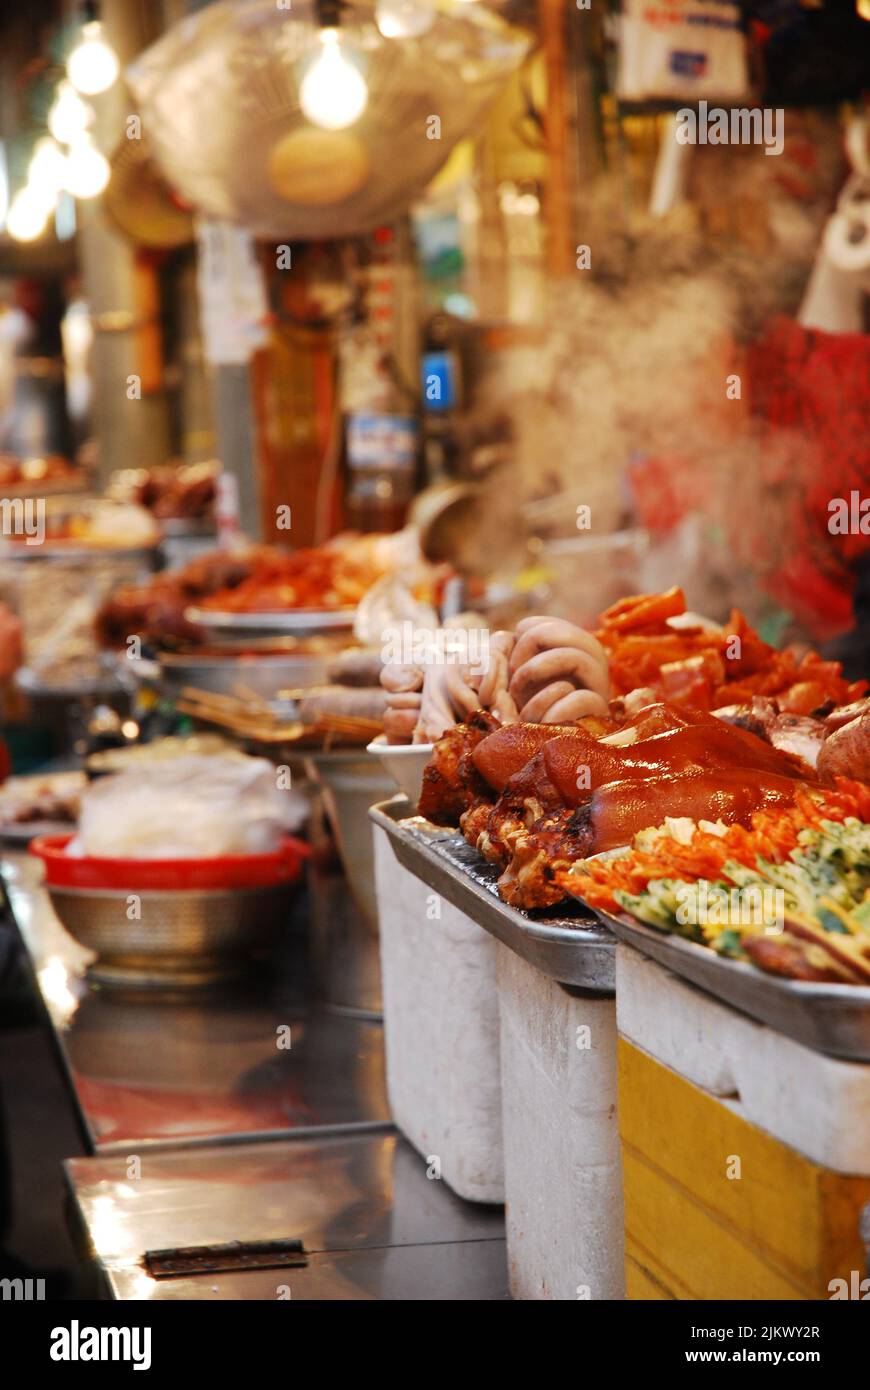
(506, 1084)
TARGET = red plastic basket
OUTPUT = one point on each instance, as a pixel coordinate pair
(62, 870)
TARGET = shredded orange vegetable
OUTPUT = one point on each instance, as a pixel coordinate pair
(774, 834)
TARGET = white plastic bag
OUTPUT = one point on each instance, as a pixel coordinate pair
(190, 807)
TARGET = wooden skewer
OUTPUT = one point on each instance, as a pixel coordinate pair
(256, 721)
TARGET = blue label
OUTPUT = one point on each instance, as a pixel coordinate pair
(381, 441)
(688, 64)
(438, 371)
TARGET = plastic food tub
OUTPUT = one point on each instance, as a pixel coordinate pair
(404, 762)
(441, 1029)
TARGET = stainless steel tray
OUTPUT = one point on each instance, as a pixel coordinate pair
(266, 676)
(828, 1018)
(285, 622)
(572, 947)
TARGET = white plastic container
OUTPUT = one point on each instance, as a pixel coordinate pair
(563, 1183)
(404, 763)
(817, 1104)
(442, 1030)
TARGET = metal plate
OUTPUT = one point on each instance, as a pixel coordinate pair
(87, 687)
(828, 1018)
(67, 551)
(373, 1224)
(572, 948)
(273, 623)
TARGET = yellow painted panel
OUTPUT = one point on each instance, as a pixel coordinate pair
(781, 1230)
(699, 1256)
(843, 1250)
(643, 1282)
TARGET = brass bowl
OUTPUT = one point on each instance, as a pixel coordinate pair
(179, 938)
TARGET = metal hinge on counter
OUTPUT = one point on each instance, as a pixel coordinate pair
(235, 1255)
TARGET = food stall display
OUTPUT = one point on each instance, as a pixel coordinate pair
(186, 492)
(694, 779)
(232, 631)
(435, 654)
(38, 476)
(815, 855)
(87, 547)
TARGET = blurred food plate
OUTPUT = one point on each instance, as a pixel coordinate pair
(272, 623)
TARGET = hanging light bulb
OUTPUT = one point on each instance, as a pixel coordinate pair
(92, 66)
(27, 216)
(87, 170)
(46, 173)
(333, 93)
(404, 19)
(69, 116)
(4, 185)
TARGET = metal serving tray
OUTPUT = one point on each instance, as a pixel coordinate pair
(285, 622)
(572, 946)
(828, 1018)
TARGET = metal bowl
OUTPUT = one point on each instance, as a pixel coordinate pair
(178, 938)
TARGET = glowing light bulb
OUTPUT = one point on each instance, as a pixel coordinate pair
(404, 19)
(87, 170)
(4, 186)
(46, 173)
(27, 215)
(333, 93)
(92, 66)
(69, 116)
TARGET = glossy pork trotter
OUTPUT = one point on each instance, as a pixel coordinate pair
(565, 773)
(503, 753)
(450, 780)
(539, 857)
(619, 810)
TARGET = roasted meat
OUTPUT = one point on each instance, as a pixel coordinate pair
(501, 755)
(155, 611)
(801, 735)
(844, 714)
(567, 770)
(534, 798)
(846, 752)
(451, 782)
(616, 812)
(532, 877)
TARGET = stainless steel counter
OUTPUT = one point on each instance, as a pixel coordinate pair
(150, 1068)
(373, 1225)
(204, 1131)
